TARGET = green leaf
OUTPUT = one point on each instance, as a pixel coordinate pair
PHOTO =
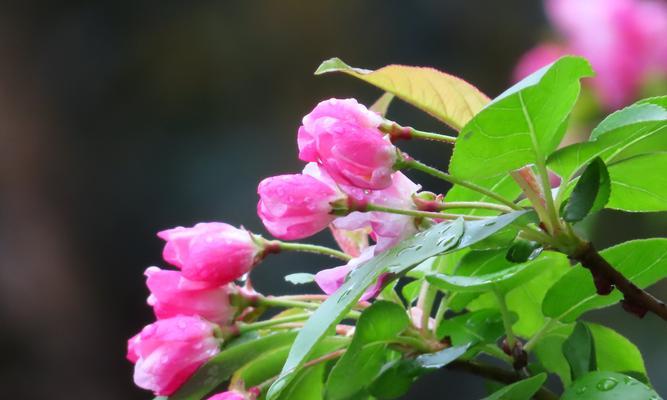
(521, 390)
(475, 263)
(445, 97)
(632, 115)
(525, 300)
(381, 105)
(378, 325)
(523, 250)
(579, 351)
(477, 327)
(590, 194)
(503, 280)
(300, 278)
(639, 183)
(441, 358)
(657, 100)
(221, 367)
(614, 352)
(261, 368)
(441, 238)
(395, 379)
(637, 129)
(309, 382)
(550, 354)
(308, 385)
(411, 291)
(521, 126)
(604, 385)
(643, 262)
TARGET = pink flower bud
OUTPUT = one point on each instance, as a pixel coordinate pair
(343, 136)
(167, 352)
(230, 395)
(387, 229)
(173, 295)
(329, 280)
(212, 252)
(299, 205)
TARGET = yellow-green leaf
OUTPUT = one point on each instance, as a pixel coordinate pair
(446, 97)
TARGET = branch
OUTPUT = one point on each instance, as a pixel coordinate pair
(498, 375)
(606, 277)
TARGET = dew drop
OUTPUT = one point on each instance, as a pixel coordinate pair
(629, 381)
(581, 390)
(607, 384)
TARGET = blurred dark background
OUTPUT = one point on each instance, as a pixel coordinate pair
(122, 118)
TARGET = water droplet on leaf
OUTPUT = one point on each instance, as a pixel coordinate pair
(607, 384)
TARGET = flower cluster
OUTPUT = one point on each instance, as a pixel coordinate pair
(350, 166)
(190, 304)
(623, 39)
(349, 170)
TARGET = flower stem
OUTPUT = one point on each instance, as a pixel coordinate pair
(439, 315)
(282, 302)
(397, 132)
(507, 321)
(421, 214)
(415, 343)
(540, 163)
(414, 133)
(277, 245)
(288, 303)
(546, 328)
(414, 164)
(474, 204)
(253, 326)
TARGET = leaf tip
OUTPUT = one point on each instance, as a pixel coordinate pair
(331, 65)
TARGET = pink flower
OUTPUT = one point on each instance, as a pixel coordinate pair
(329, 280)
(236, 395)
(211, 252)
(167, 352)
(351, 242)
(343, 136)
(387, 229)
(537, 58)
(623, 39)
(299, 205)
(229, 395)
(173, 295)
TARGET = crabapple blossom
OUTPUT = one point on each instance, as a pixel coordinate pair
(212, 252)
(623, 39)
(387, 229)
(343, 136)
(173, 295)
(168, 351)
(250, 394)
(329, 280)
(298, 205)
